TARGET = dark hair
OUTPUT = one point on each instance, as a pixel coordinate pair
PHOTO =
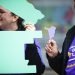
(20, 23)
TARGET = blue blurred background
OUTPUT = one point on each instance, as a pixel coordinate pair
(58, 13)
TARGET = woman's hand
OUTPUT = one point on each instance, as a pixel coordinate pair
(51, 48)
(30, 27)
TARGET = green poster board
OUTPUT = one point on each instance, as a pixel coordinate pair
(12, 56)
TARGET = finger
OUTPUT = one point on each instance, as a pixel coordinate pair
(53, 41)
(50, 42)
(48, 49)
(30, 28)
(29, 25)
(50, 54)
(49, 45)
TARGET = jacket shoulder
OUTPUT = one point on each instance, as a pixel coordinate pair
(71, 31)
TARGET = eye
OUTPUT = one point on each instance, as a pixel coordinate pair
(1, 11)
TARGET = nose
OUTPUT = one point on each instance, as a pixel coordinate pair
(0, 14)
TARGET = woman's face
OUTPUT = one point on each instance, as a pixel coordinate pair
(5, 17)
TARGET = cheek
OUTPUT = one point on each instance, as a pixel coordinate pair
(7, 17)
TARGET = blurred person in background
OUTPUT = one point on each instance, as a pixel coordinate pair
(11, 22)
(63, 63)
